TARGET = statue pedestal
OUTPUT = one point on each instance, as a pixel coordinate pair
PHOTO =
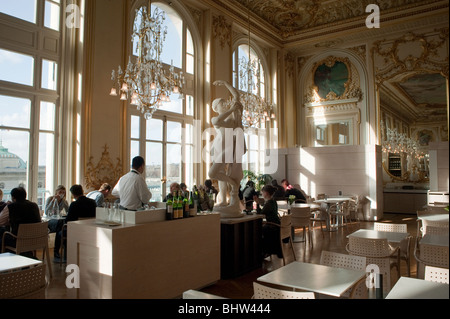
(229, 211)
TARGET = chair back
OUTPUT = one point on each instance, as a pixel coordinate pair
(264, 292)
(388, 227)
(436, 274)
(332, 259)
(23, 284)
(300, 216)
(31, 237)
(345, 261)
(285, 227)
(369, 247)
(435, 230)
(433, 255)
(321, 196)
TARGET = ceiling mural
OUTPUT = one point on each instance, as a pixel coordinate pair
(290, 17)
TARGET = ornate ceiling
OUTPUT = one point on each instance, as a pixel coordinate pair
(291, 17)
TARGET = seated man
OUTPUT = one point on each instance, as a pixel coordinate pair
(20, 211)
(82, 207)
(100, 195)
(280, 193)
(299, 197)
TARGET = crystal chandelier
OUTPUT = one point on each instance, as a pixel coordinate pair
(256, 109)
(146, 83)
(397, 143)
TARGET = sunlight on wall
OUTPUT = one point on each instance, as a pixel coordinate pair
(371, 173)
(308, 161)
(308, 186)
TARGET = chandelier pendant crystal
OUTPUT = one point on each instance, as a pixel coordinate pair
(396, 143)
(147, 83)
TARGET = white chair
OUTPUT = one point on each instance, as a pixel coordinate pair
(264, 292)
(377, 252)
(359, 290)
(404, 246)
(27, 283)
(341, 211)
(301, 218)
(436, 274)
(318, 214)
(435, 230)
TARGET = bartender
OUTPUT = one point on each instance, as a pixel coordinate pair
(132, 188)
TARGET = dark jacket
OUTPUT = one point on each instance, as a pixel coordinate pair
(83, 207)
(23, 212)
(279, 193)
(297, 193)
(270, 210)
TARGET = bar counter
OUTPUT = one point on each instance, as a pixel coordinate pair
(157, 260)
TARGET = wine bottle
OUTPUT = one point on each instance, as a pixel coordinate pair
(169, 209)
(180, 205)
(175, 205)
(192, 208)
(186, 205)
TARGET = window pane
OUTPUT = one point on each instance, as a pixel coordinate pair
(22, 9)
(52, 12)
(173, 164)
(134, 150)
(189, 105)
(14, 146)
(174, 132)
(49, 75)
(135, 126)
(47, 116)
(175, 105)
(155, 130)
(188, 161)
(16, 67)
(189, 64)
(189, 43)
(14, 112)
(173, 45)
(46, 165)
(153, 170)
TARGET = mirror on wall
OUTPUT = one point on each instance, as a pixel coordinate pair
(338, 133)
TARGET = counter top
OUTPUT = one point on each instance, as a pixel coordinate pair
(405, 191)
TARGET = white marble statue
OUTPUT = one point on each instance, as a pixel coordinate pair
(227, 151)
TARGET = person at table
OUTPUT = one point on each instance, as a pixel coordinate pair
(58, 202)
(249, 193)
(131, 189)
(209, 188)
(100, 194)
(174, 187)
(18, 211)
(271, 233)
(184, 190)
(82, 207)
(280, 193)
(289, 190)
(2, 202)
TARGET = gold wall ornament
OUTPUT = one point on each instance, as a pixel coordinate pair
(411, 53)
(289, 64)
(222, 31)
(102, 172)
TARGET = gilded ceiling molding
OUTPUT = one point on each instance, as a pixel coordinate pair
(102, 172)
(411, 54)
(222, 30)
(360, 50)
(301, 61)
(352, 86)
(197, 15)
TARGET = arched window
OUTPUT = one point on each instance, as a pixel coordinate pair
(166, 140)
(255, 137)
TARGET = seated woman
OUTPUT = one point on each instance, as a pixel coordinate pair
(271, 233)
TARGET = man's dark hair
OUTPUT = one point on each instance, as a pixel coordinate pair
(77, 190)
(137, 162)
(274, 182)
(19, 193)
(208, 183)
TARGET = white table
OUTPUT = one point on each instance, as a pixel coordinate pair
(321, 279)
(11, 262)
(392, 237)
(412, 288)
(338, 200)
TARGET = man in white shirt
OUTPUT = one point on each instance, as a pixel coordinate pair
(131, 188)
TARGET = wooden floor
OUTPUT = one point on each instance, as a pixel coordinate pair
(242, 287)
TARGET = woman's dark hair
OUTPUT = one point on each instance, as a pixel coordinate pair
(77, 190)
(208, 183)
(269, 189)
(19, 193)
